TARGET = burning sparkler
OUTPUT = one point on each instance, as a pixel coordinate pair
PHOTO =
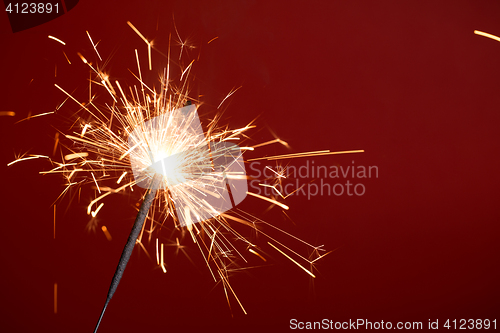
(153, 138)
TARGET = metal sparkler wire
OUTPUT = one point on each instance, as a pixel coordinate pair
(132, 239)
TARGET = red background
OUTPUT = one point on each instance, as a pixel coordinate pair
(409, 82)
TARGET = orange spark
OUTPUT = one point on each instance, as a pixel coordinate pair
(57, 39)
(284, 143)
(145, 40)
(30, 157)
(69, 62)
(269, 199)
(84, 129)
(106, 233)
(94, 46)
(94, 213)
(83, 106)
(55, 298)
(98, 189)
(54, 221)
(37, 115)
(274, 188)
(485, 34)
(228, 95)
(307, 154)
(75, 155)
(162, 262)
(295, 262)
(277, 174)
(82, 57)
(56, 139)
(157, 256)
(257, 254)
(212, 39)
(121, 177)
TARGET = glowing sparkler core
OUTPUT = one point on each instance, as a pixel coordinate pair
(204, 180)
(171, 144)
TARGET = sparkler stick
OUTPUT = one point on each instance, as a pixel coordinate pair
(132, 238)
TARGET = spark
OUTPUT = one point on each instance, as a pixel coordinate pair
(320, 256)
(57, 39)
(56, 142)
(89, 207)
(292, 260)
(188, 68)
(138, 144)
(307, 154)
(269, 199)
(212, 39)
(295, 191)
(82, 58)
(284, 143)
(75, 155)
(257, 254)
(94, 213)
(94, 46)
(30, 157)
(318, 152)
(35, 116)
(157, 256)
(274, 188)
(69, 62)
(228, 285)
(181, 43)
(84, 130)
(95, 181)
(54, 221)
(277, 174)
(7, 113)
(121, 91)
(485, 34)
(234, 176)
(105, 231)
(162, 262)
(229, 95)
(55, 298)
(84, 141)
(145, 40)
(121, 177)
(74, 99)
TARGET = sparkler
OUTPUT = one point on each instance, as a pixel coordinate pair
(190, 175)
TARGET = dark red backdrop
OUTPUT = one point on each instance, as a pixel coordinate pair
(409, 82)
